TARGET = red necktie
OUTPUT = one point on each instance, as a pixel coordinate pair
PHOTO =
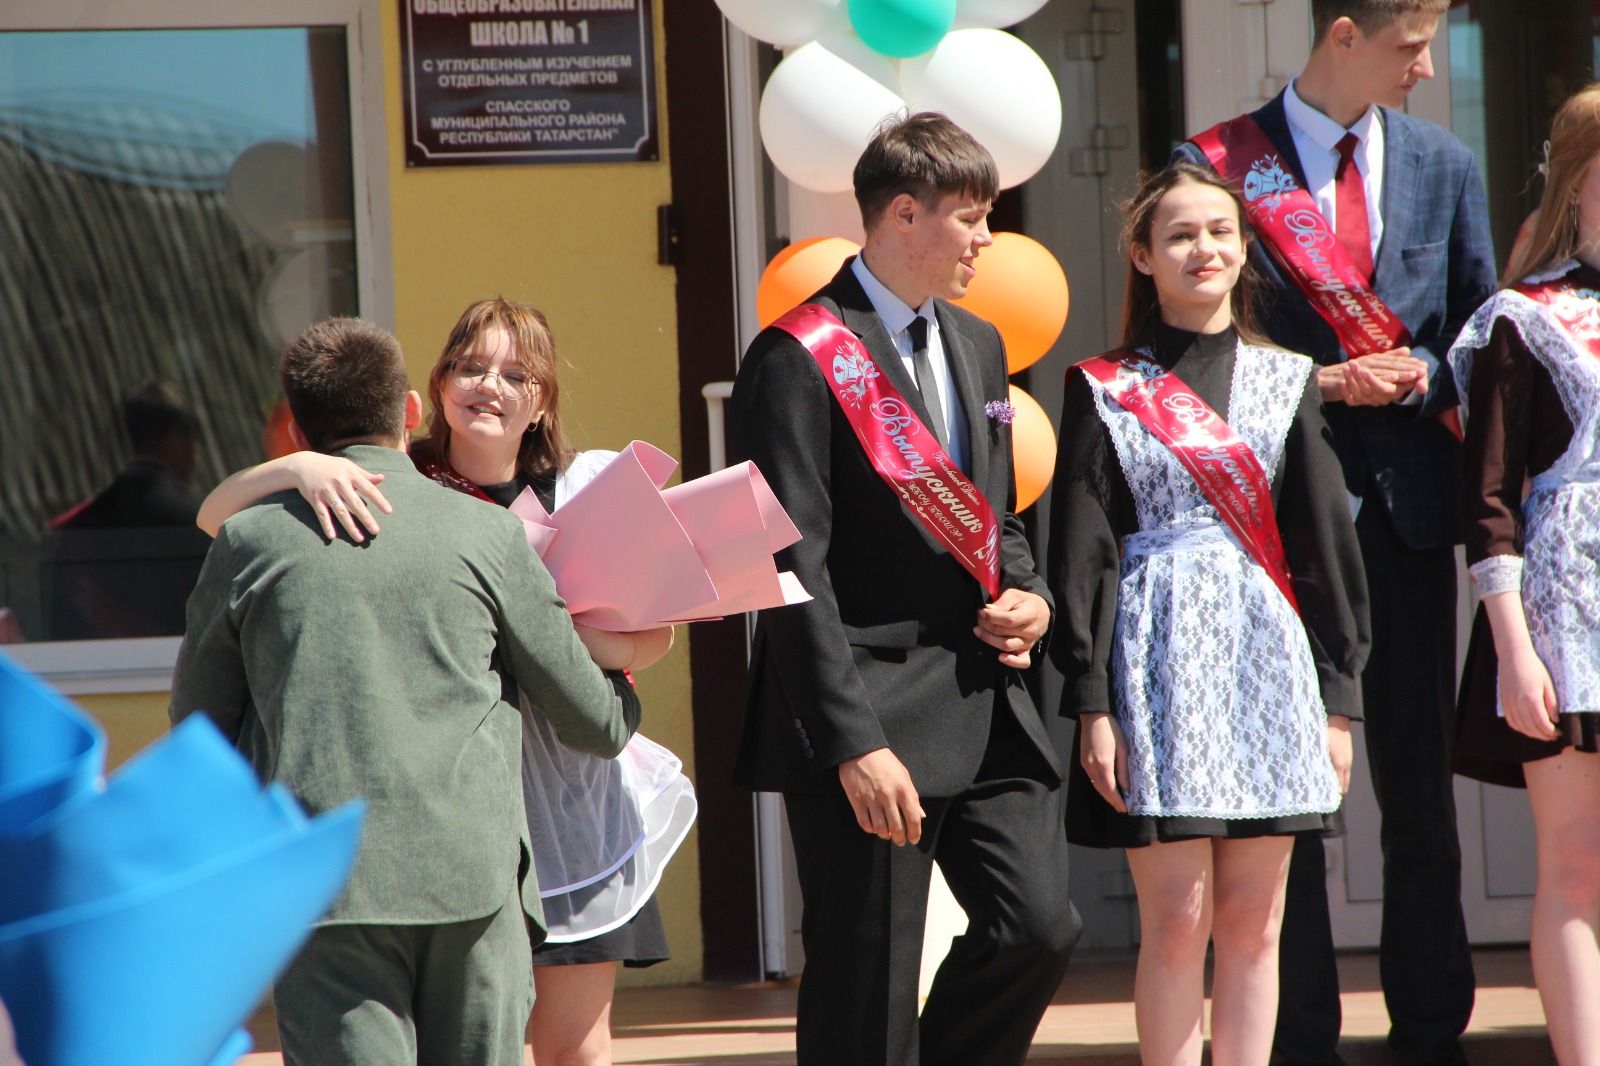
(1350, 205)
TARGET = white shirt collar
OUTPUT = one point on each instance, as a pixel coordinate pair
(1322, 130)
(895, 312)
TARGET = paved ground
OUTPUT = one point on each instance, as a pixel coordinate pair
(1090, 1023)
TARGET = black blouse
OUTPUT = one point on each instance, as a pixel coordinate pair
(1092, 510)
(506, 492)
(1516, 429)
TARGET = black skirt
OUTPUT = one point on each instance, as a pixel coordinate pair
(1093, 822)
(1486, 748)
(641, 941)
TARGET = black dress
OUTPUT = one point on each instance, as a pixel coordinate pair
(1093, 511)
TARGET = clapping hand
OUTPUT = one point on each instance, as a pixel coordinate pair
(1373, 380)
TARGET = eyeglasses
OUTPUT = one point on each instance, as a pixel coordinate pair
(514, 384)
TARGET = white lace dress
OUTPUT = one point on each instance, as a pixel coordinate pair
(1549, 549)
(1210, 672)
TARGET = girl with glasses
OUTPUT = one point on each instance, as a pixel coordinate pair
(601, 830)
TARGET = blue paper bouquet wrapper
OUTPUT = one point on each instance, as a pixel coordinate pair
(142, 919)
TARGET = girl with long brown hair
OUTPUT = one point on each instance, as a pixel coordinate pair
(1213, 715)
(1528, 365)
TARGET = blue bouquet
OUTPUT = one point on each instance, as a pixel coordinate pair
(143, 918)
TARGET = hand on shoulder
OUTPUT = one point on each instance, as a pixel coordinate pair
(339, 490)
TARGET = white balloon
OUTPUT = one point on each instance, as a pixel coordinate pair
(821, 106)
(995, 14)
(787, 23)
(997, 89)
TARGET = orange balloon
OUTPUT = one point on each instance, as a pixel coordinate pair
(1033, 448)
(275, 441)
(1022, 291)
(797, 272)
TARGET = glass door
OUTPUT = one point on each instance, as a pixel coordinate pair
(1511, 66)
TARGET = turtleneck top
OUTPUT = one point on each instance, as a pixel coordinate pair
(505, 493)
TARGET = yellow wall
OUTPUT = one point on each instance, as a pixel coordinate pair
(131, 721)
(578, 242)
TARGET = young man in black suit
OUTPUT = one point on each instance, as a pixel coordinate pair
(1404, 198)
(890, 710)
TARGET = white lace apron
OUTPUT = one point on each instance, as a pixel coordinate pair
(1212, 678)
(1559, 571)
(602, 829)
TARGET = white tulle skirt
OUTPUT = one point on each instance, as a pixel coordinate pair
(602, 829)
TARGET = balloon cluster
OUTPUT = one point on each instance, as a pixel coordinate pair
(852, 63)
(1019, 288)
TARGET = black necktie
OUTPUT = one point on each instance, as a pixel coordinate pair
(926, 383)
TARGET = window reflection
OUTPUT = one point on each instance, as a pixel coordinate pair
(176, 206)
(1466, 82)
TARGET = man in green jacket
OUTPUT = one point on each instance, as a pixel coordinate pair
(387, 670)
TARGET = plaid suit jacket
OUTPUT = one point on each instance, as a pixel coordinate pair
(1435, 265)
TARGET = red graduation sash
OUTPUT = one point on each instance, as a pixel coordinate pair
(1299, 238)
(1575, 309)
(900, 448)
(1222, 464)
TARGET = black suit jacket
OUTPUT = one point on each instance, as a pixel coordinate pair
(1435, 265)
(884, 654)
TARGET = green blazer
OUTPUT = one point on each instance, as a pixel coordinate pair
(375, 670)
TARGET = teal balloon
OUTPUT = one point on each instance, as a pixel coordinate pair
(901, 28)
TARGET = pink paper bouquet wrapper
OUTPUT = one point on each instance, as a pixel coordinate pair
(627, 554)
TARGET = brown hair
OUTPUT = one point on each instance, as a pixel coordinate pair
(1141, 310)
(345, 381)
(1370, 16)
(926, 155)
(1574, 144)
(544, 450)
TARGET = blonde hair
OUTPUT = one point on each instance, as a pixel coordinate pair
(1574, 145)
(544, 450)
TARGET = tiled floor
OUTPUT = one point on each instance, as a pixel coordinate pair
(1090, 1023)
